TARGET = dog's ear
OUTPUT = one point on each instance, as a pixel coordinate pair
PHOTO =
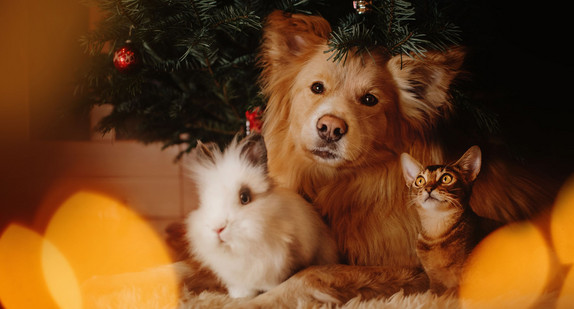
(423, 83)
(287, 35)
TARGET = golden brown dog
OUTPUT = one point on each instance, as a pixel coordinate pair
(335, 131)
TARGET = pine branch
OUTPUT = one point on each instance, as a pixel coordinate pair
(352, 38)
(392, 25)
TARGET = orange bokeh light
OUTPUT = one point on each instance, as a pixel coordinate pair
(95, 253)
(562, 229)
(23, 284)
(526, 264)
(508, 269)
(562, 225)
(103, 237)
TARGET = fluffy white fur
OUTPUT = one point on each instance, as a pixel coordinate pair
(252, 246)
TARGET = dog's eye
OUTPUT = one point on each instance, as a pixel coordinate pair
(317, 88)
(244, 196)
(369, 100)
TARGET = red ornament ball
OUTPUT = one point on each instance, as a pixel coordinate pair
(125, 59)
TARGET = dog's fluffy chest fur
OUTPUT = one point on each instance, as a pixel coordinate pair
(361, 205)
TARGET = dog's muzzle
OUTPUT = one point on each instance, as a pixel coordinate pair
(330, 130)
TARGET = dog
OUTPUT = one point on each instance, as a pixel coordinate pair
(334, 133)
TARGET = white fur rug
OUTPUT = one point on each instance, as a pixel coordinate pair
(399, 301)
(157, 289)
(151, 289)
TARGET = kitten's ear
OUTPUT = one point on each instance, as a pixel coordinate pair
(205, 153)
(253, 148)
(287, 35)
(423, 83)
(470, 162)
(411, 168)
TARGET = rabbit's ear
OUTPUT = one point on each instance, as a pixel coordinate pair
(253, 148)
(206, 152)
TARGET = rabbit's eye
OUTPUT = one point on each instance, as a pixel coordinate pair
(245, 196)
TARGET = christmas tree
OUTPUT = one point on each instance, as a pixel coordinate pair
(176, 71)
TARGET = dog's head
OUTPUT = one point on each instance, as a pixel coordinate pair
(347, 113)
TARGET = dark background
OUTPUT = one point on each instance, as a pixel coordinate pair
(519, 61)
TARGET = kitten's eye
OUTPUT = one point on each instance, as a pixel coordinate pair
(317, 88)
(446, 179)
(420, 181)
(245, 196)
(369, 100)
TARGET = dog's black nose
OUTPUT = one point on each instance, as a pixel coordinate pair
(331, 128)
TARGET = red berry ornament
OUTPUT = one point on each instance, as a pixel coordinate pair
(125, 59)
(253, 121)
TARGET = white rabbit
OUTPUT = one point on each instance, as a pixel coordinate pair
(250, 233)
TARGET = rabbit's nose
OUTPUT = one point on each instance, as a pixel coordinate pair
(218, 230)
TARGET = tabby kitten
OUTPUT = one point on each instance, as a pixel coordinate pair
(450, 228)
